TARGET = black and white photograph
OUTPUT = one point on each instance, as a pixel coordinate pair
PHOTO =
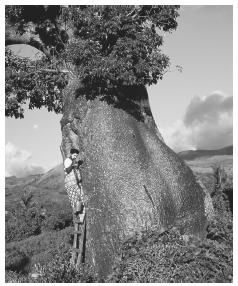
(118, 143)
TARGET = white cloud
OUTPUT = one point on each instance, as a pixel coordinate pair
(18, 162)
(178, 137)
(207, 109)
(207, 124)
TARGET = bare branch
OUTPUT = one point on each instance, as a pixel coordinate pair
(55, 71)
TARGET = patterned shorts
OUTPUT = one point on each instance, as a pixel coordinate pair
(74, 190)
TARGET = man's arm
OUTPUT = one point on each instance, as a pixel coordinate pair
(68, 165)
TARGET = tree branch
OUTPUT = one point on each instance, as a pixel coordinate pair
(12, 37)
(54, 71)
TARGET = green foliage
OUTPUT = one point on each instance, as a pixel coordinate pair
(23, 226)
(15, 277)
(58, 270)
(107, 47)
(26, 218)
(37, 249)
(30, 222)
(57, 220)
(33, 83)
(118, 46)
(16, 260)
(220, 228)
(34, 206)
(43, 19)
(24, 222)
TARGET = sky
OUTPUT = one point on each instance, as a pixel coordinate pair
(202, 45)
(192, 108)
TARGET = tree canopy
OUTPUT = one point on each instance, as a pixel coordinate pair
(106, 47)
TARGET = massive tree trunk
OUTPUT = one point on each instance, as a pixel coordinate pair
(132, 180)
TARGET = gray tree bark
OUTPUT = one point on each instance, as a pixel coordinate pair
(131, 179)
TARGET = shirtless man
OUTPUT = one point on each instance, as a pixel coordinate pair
(73, 181)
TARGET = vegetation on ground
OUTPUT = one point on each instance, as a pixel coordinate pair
(148, 257)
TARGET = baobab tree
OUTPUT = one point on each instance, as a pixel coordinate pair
(96, 63)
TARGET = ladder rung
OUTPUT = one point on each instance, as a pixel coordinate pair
(77, 232)
(76, 250)
(78, 221)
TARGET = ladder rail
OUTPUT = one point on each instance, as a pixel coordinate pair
(79, 241)
(81, 245)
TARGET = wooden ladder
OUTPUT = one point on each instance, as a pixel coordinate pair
(79, 239)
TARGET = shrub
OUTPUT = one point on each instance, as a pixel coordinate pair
(58, 270)
(17, 260)
(42, 248)
(22, 226)
(26, 222)
(25, 219)
(220, 227)
(14, 277)
(58, 220)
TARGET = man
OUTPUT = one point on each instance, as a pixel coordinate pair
(73, 181)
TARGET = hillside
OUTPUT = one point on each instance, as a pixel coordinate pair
(47, 189)
(38, 219)
(54, 179)
(193, 154)
(31, 238)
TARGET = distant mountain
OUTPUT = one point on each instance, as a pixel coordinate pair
(54, 175)
(47, 189)
(13, 180)
(193, 154)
